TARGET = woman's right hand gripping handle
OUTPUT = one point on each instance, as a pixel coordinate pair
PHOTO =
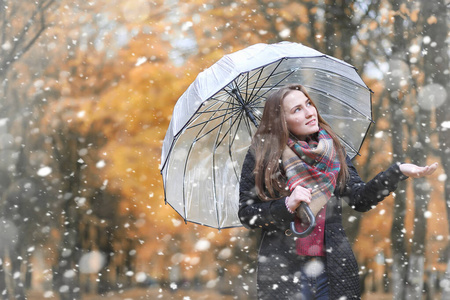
(301, 196)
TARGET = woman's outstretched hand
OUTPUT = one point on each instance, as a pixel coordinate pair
(414, 171)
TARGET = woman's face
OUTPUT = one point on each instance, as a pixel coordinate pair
(301, 115)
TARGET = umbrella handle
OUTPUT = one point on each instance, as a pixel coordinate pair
(312, 222)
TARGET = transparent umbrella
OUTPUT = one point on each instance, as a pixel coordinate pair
(214, 120)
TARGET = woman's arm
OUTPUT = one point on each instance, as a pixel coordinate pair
(363, 196)
(255, 213)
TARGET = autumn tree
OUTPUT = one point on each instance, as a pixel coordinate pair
(88, 99)
(23, 200)
(437, 91)
(411, 128)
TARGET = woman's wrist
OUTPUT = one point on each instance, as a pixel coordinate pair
(287, 206)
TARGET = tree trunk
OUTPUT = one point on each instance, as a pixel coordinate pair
(415, 276)
(421, 200)
(68, 283)
(436, 71)
(399, 254)
(445, 283)
(3, 288)
(18, 288)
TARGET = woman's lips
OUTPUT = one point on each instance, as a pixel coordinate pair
(312, 122)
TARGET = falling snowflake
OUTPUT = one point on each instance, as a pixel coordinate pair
(445, 125)
(140, 61)
(92, 262)
(202, 245)
(69, 274)
(44, 171)
(225, 253)
(100, 164)
(173, 286)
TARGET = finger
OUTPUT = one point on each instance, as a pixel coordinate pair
(433, 167)
(423, 171)
(427, 171)
(301, 191)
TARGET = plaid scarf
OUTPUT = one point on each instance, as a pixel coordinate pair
(314, 165)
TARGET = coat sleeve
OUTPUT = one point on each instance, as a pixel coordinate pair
(254, 212)
(363, 196)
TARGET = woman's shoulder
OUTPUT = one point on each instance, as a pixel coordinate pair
(249, 159)
(348, 160)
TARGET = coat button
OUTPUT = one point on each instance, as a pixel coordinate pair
(288, 232)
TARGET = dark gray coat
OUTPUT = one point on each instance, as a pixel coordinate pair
(277, 252)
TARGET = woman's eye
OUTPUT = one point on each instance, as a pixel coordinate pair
(297, 109)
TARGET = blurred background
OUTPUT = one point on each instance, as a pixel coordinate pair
(87, 90)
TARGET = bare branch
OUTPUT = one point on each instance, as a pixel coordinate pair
(25, 39)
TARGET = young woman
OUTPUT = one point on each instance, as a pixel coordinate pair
(295, 157)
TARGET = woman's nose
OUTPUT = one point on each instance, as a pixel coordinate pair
(308, 111)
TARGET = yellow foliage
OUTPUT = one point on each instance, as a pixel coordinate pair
(293, 11)
(134, 98)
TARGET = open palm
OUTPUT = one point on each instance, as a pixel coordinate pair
(414, 171)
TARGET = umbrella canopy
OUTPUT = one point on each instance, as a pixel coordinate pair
(214, 120)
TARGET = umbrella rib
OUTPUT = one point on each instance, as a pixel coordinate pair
(339, 100)
(237, 82)
(247, 123)
(231, 126)
(234, 111)
(214, 181)
(216, 145)
(184, 182)
(214, 103)
(185, 165)
(255, 82)
(226, 110)
(218, 100)
(265, 80)
(232, 143)
(350, 146)
(215, 127)
(272, 86)
(231, 115)
(340, 75)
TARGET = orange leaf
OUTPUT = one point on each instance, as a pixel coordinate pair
(432, 20)
(414, 15)
(403, 9)
(373, 25)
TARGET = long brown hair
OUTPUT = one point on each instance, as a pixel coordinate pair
(270, 140)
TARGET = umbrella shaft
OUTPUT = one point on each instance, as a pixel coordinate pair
(248, 111)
